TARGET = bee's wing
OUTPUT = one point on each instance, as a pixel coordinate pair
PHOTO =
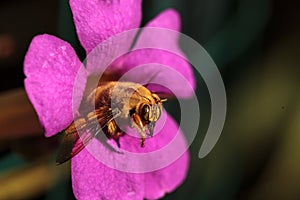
(72, 143)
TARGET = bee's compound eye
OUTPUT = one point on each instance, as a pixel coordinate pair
(157, 112)
(145, 112)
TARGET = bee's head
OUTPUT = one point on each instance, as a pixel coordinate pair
(150, 112)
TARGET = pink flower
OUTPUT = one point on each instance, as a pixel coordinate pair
(51, 66)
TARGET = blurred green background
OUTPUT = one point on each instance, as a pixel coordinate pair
(255, 44)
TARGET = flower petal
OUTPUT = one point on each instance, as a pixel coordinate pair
(164, 180)
(97, 20)
(51, 66)
(94, 180)
(160, 46)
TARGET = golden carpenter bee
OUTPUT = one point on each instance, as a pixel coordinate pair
(123, 102)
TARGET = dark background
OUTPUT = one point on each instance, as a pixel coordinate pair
(255, 44)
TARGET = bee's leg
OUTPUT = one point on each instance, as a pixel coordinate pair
(114, 131)
(143, 139)
(138, 122)
(118, 142)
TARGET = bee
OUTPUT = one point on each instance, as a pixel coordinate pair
(113, 104)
